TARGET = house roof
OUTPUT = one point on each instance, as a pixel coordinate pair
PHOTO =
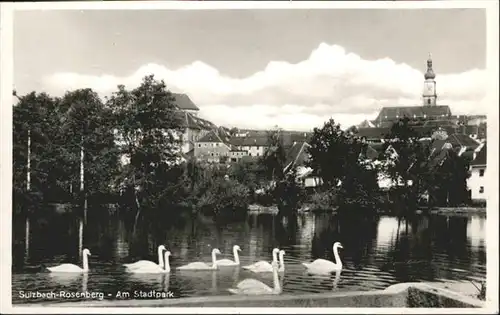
(462, 140)
(480, 157)
(188, 154)
(212, 137)
(182, 101)
(261, 138)
(188, 120)
(468, 154)
(391, 113)
(438, 156)
(421, 131)
(379, 147)
(297, 154)
(371, 153)
(373, 133)
(249, 141)
(366, 124)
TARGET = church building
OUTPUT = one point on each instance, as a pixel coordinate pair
(425, 118)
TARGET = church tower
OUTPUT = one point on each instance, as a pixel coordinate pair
(429, 96)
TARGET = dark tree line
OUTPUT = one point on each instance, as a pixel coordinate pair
(126, 149)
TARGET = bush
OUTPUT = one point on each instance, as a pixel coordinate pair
(223, 196)
(323, 200)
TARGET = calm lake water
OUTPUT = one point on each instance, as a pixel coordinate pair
(375, 254)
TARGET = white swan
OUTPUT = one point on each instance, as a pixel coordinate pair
(255, 287)
(264, 266)
(229, 262)
(154, 268)
(147, 263)
(201, 265)
(72, 267)
(323, 266)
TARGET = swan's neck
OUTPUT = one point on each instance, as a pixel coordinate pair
(161, 263)
(85, 262)
(275, 257)
(214, 260)
(167, 264)
(236, 256)
(282, 264)
(337, 257)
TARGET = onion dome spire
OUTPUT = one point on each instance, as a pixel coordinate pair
(430, 73)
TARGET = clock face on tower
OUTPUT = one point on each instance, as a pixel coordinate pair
(429, 88)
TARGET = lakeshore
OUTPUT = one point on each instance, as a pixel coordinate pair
(257, 209)
(399, 295)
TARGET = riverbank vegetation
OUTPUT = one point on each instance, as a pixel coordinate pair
(126, 150)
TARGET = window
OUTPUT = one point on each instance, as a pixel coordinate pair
(481, 189)
(199, 145)
(481, 172)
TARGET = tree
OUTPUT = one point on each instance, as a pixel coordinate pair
(288, 193)
(407, 164)
(284, 190)
(36, 118)
(87, 129)
(249, 173)
(274, 157)
(333, 153)
(149, 135)
(336, 157)
(447, 181)
(223, 196)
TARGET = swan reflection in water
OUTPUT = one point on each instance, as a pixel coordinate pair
(70, 279)
(208, 281)
(255, 287)
(324, 279)
(161, 280)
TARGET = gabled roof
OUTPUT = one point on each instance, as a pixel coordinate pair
(182, 101)
(438, 156)
(297, 154)
(188, 155)
(480, 157)
(188, 120)
(462, 140)
(366, 124)
(212, 137)
(369, 152)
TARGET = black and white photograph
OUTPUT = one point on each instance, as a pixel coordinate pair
(242, 156)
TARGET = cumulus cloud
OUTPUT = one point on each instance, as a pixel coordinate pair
(330, 83)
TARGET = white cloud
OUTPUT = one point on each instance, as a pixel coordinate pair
(330, 83)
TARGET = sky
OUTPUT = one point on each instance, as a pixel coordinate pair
(261, 68)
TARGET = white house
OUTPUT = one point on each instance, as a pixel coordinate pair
(477, 181)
